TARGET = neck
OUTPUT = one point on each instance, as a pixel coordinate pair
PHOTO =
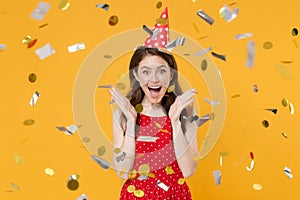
(153, 109)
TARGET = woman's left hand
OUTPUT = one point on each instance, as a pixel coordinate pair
(180, 103)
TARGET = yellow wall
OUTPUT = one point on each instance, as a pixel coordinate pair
(42, 146)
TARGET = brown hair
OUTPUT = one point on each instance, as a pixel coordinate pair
(136, 94)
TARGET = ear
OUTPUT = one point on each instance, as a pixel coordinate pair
(135, 75)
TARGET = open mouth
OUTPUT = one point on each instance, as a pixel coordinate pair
(154, 91)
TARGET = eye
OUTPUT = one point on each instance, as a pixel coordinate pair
(162, 71)
(146, 72)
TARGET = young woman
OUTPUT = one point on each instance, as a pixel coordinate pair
(158, 145)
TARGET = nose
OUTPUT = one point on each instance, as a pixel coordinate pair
(154, 78)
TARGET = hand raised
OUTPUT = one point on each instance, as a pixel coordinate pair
(180, 103)
(124, 105)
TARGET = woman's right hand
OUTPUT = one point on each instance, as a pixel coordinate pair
(124, 104)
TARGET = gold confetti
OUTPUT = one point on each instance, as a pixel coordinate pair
(132, 174)
(164, 131)
(138, 108)
(32, 77)
(162, 21)
(235, 96)
(291, 107)
(113, 20)
(295, 42)
(203, 37)
(203, 64)
(151, 175)
(117, 150)
(158, 5)
(268, 45)
(180, 181)
(123, 171)
(139, 193)
(73, 184)
(265, 123)
(23, 141)
(27, 40)
(224, 153)
(63, 5)
(212, 116)
(169, 170)
(43, 25)
(28, 122)
(101, 150)
(171, 88)
(86, 139)
(18, 159)
(286, 61)
(144, 169)
(131, 188)
(284, 135)
(107, 56)
(284, 102)
(158, 125)
(257, 186)
(49, 171)
(120, 86)
(294, 32)
(196, 28)
(14, 186)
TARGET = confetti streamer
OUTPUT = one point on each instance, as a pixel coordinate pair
(34, 98)
(162, 185)
(222, 57)
(103, 163)
(76, 47)
(41, 10)
(217, 176)
(250, 54)
(243, 36)
(203, 51)
(146, 138)
(205, 17)
(104, 6)
(45, 51)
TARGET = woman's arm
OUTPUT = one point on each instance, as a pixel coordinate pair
(185, 144)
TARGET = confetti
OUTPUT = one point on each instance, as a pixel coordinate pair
(49, 171)
(221, 160)
(171, 88)
(103, 163)
(250, 168)
(252, 155)
(174, 43)
(113, 20)
(2, 47)
(203, 51)
(148, 30)
(255, 88)
(145, 138)
(203, 119)
(151, 175)
(82, 197)
(265, 123)
(117, 150)
(108, 56)
(196, 28)
(273, 110)
(105, 86)
(295, 43)
(243, 36)
(294, 32)
(181, 181)
(41, 10)
(267, 45)
(217, 176)
(73, 184)
(158, 4)
(257, 186)
(104, 6)
(24, 140)
(27, 40)
(233, 3)
(14, 186)
(158, 125)
(45, 51)
(32, 43)
(291, 107)
(224, 153)
(121, 86)
(250, 54)
(69, 130)
(235, 96)
(213, 103)
(32, 77)
(169, 170)
(131, 188)
(138, 108)
(284, 135)
(34, 98)
(142, 177)
(18, 159)
(76, 47)
(121, 157)
(162, 185)
(286, 61)
(222, 57)
(287, 172)
(63, 5)
(28, 122)
(43, 25)
(203, 37)
(86, 139)
(101, 151)
(144, 169)
(203, 64)
(227, 14)
(205, 17)
(139, 193)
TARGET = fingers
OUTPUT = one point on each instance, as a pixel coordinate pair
(187, 97)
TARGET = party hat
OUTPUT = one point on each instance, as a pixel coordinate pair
(160, 33)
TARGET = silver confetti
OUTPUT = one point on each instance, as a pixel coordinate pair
(203, 51)
(104, 6)
(121, 157)
(205, 17)
(250, 54)
(103, 163)
(243, 36)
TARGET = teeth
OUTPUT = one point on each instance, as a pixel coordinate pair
(154, 87)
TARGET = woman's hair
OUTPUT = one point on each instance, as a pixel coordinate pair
(136, 94)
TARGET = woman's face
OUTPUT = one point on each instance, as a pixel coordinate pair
(154, 76)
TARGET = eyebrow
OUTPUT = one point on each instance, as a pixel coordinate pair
(160, 66)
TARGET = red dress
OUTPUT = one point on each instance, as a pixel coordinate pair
(156, 174)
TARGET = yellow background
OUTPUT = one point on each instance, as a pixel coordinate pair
(42, 145)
